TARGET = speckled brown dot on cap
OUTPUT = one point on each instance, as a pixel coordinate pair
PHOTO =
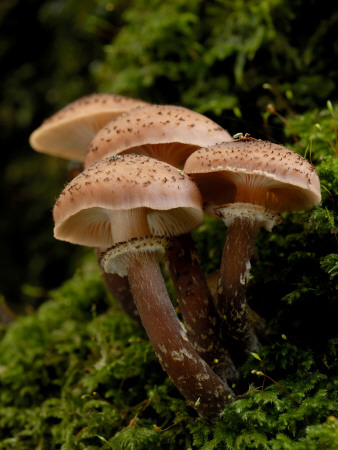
(68, 132)
(84, 211)
(255, 171)
(165, 132)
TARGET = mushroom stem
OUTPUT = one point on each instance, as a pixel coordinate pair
(120, 290)
(257, 321)
(197, 308)
(234, 275)
(188, 371)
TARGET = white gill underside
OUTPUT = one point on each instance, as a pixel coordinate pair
(100, 227)
(174, 222)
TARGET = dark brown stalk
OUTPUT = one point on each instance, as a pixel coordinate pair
(197, 308)
(257, 321)
(234, 274)
(120, 290)
(189, 372)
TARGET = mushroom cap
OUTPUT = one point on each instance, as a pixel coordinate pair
(166, 132)
(260, 172)
(68, 133)
(85, 209)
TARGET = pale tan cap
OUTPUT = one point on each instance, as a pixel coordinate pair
(255, 171)
(165, 132)
(68, 133)
(92, 203)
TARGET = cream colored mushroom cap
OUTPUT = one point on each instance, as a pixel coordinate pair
(250, 170)
(68, 133)
(166, 132)
(83, 211)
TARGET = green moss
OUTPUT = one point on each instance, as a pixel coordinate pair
(77, 373)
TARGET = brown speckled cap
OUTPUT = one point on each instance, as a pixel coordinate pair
(165, 132)
(90, 209)
(68, 133)
(255, 171)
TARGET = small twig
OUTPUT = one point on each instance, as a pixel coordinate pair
(272, 110)
(147, 401)
(257, 372)
(105, 441)
(40, 445)
(279, 97)
(291, 346)
(261, 361)
(174, 424)
(81, 431)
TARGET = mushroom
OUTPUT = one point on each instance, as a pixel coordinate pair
(165, 132)
(246, 183)
(170, 134)
(132, 204)
(68, 133)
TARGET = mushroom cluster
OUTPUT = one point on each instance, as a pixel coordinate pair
(150, 173)
(246, 183)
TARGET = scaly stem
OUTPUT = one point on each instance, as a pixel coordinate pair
(188, 371)
(197, 308)
(120, 290)
(234, 274)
